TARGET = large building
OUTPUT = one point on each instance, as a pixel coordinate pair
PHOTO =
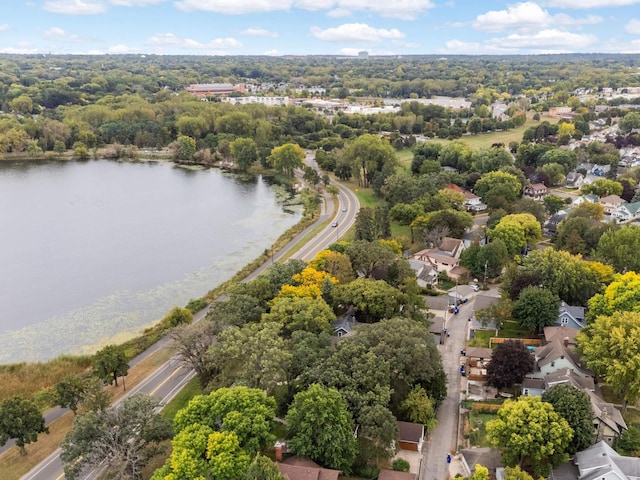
(205, 89)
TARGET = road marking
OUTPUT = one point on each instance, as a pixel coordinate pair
(152, 392)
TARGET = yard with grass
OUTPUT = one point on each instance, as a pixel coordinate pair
(510, 329)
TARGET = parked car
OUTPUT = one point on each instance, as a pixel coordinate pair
(475, 288)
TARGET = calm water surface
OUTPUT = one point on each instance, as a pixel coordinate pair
(93, 252)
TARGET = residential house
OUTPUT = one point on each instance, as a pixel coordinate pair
(599, 461)
(472, 202)
(426, 274)
(562, 332)
(611, 203)
(476, 236)
(485, 456)
(536, 191)
(557, 356)
(481, 302)
(627, 212)
(551, 225)
(296, 468)
(574, 180)
(410, 436)
(571, 316)
(600, 170)
(586, 198)
(459, 274)
(535, 387)
(344, 325)
(444, 258)
(608, 423)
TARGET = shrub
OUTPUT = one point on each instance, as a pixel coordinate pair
(401, 465)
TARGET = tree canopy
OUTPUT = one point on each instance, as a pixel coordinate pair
(510, 362)
(575, 407)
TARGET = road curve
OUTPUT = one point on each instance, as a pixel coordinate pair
(168, 379)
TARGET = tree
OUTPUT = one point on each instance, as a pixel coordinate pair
(530, 433)
(536, 308)
(602, 187)
(177, 316)
(367, 155)
(22, 104)
(630, 121)
(247, 412)
(610, 346)
(490, 159)
(237, 310)
(245, 152)
(553, 203)
(21, 420)
(263, 468)
(110, 363)
(70, 392)
(372, 300)
(510, 362)
(185, 148)
(191, 342)
(301, 313)
(336, 264)
(619, 248)
(377, 435)
(457, 222)
(124, 438)
(367, 256)
(199, 452)
(498, 187)
(286, 158)
(575, 407)
(629, 442)
(516, 231)
(321, 428)
(621, 295)
(253, 355)
(418, 407)
(480, 473)
(515, 473)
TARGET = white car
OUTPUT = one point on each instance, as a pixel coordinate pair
(475, 288)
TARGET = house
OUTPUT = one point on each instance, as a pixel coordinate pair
(426, 274)
(557, 356)
(459, 274)
(296, 468)
(611, 203)
(537, 191)
(410, 436)
(485, 456)
(608, 423)
(452, 246)
(627, 212)
(393, 475)
(445, 258)
(574, 180)
(562, 332)
(344, 325)
(482, 302)
(558, 112)
(571, 316)
(476, 236)
(476, 361)
(586, 198)
(472, 202)
(551, 225)
(599, 461)
(535, 387)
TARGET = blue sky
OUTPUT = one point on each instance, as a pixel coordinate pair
(334, 27)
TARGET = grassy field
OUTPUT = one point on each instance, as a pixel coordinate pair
(404, 158)
(510, 329)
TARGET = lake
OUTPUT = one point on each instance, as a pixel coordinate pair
(93, 252)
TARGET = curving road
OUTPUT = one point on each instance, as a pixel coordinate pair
(166, 381)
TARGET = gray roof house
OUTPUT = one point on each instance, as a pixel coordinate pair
(597, 462)
(571, 316)
(608, 423)
(555, 356)
(344, 325)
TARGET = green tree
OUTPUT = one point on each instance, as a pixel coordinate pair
(177, 316)
(480, 473)
(456, 154)
(629, 442)
(491, 159)
(110, 363)
(630, 121)
(372, 300)
(301, 313)
(185, 148)
(602, 187)
(516, 473)
(245, 152)
(321, 428)
(516, 231)
(367, 256)
(510, 362)
(619, 248)
(253, 355)
(553, 203)
(263, 468)
(531, 434)
(191, 342)
(575, 407)
(124, 438)
(418, 407)
(610, 346)
(21, 420)
(497, 188)
(536, 308)
(247, 412)
(377, 435)
(367, 155)
(621, 295)
(457, 222)
(70, 392)
(22, 104)
(286, 158)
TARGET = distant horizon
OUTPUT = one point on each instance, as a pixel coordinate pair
(384, 28)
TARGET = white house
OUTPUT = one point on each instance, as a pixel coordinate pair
(611, 203)
(557, 356)
(627, 212)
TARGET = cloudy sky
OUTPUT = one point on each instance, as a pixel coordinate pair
(335, 27)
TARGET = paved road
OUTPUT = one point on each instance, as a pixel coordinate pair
(442, 440)
(171, 377)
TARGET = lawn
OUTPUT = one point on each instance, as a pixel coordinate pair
(476, 430)
(404, 158)
(510, 329)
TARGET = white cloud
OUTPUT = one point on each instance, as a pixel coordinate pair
(457, 46)
(355, 32)
(583, 4)
(633, 26)
(175, 41)
(75, 7)
(21, 48)
(273, 53)
(4, 27)
(59, 34)
(527, 17)
(259, 32)
(338, 12)
(134, 3)
(122, 49)
(403, 9)
(545, 40)
(234, 7)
